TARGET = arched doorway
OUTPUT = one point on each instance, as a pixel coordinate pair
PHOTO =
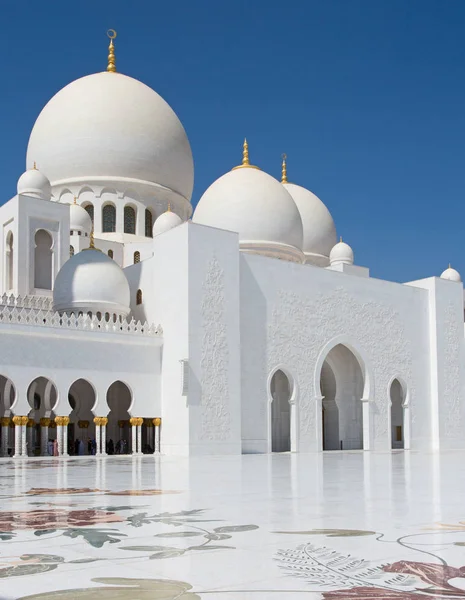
(341, 383)
(397, 396)
(330, 416)
(119, 400)
(43, 260)
(7, 397)
(81, 428)
(281, 392)
(42, 397)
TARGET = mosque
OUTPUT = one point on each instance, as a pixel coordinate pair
(245, 327)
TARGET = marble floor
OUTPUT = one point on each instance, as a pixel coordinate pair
(284, 526)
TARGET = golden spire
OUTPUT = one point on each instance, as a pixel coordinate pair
(91, 242)
(169, 207)
(245, 158)
(35, 166)
(75, 200)
(111, 68)
(340, 239)
(284, 169)
(449, 266)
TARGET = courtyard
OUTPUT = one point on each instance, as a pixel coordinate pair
(328, 525)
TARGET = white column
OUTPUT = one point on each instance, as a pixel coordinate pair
(59, 439)
(17, 453)
(139, 439)
(104, 435)
(5, 437)
(64, 433)
(134, 439)
(156, 438)
(97, 437)
(23, 440)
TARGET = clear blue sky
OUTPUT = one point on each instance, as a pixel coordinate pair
(366, 97)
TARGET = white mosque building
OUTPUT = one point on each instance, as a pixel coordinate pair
(243, 328)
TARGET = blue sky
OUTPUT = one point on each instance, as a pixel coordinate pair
(366, 97)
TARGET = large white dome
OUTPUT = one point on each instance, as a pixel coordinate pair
(90, 281)
(108, 125)
(319, 230)
(257, 206)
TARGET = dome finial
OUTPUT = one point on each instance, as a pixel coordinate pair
(245, 157)
(340, 238)
(35, 166)
(169, 207)
(111, 67)
(245, 154)
(75, 200)
(284, 169)
(91, 243)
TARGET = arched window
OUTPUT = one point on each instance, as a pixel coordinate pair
(110, 253)
(129, 220)
(136, 257)
(90, 211)
(148, 223)
(71, 251)
(43, 260)
(9, 261)
(139, 297)
(109, 218)
(36, 402)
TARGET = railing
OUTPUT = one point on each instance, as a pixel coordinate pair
(37, 311)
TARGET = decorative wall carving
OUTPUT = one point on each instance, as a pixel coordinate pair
(301, 326)
(450, 406)
(214, 363)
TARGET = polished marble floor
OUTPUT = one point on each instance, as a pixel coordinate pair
(284, 526)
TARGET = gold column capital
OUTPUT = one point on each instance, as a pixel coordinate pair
(157, 421)
(19, 420)
(44, 422)
(31, 423)
(5, 421)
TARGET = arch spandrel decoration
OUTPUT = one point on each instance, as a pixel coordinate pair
(302, 327)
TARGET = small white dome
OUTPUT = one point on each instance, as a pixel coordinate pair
(319, 230)
(341, 254)
(451, 274)
(112, 126)
(166, 221)
(79, 219)
(34, 183)
(90, 281)
(258, 208)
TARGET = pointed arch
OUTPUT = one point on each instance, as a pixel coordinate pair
(109, 218)
(343, 385)
(129, 219)
(148, 223)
